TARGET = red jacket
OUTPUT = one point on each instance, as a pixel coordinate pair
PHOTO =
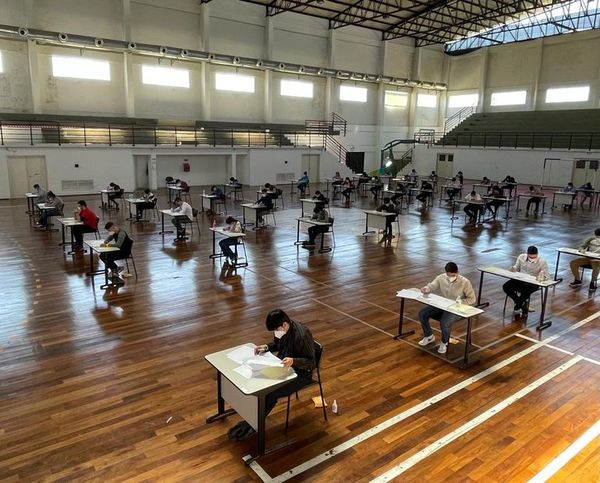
(89, 218)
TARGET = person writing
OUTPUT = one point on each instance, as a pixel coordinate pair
(234, 226)
(266, 203)
(293, 343)
(348, 188)
(532, 264)
(319, 214)
(184, 214)
(591, 245)
(90, 224)
(450, 285)
(40, 192)
(536, 194)
(337, 179)
(473, 206)
(376, 187)
(148, 204)
(56, 208)
(426, 192)
(117, 237)
(303, 183)
(114, 193)
(496, 201)
(388, 207)
(320, 197)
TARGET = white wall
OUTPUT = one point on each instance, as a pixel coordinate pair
(525, 165)
(205, 169)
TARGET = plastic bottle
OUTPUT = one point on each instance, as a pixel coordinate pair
(214, 225)
(458, 301)
(334, 407)
(203, 192)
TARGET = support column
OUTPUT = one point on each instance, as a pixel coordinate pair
(205, 27)
(34, 76)
(204, 96)
(331, 49)
(268, 106)
(329, 84)
(126, 20)
(128, 85)
(268, 39)
(537, 72)
(233, 164)
(380, 117)
(483, 75)
(152, 171)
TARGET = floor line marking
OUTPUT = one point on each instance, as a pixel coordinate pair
(563, 458)
(259, 470)
(355, 318)
(401, 416)
(473, 423)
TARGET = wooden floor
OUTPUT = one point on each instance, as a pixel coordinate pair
(112, 386)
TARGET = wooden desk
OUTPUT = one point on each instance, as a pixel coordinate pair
(309, 202)
(170, 213)
(522, 277)
(134, 201)
(530, 195)
(433, 300)
(250, 213)
(246, 397)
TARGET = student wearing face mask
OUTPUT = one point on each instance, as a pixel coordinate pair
(532, 264)
(589, 245)
(449, 285)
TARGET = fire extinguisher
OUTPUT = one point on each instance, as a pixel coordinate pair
(186, 167)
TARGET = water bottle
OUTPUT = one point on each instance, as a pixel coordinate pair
(334, 407)
(203, 192)
(458, 301)
(214, 225)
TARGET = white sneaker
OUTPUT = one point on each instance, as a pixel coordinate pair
(442, 348)
(427, 340)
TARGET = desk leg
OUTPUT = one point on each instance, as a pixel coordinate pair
(466, 363)
(221, 412)
(541, 324)
(366, 232)
(91, 274)
(556, 268)
(214, 247)
(453, 217)
(162, 225)
(402, 334)
(262, 423)
(298, 234)
(543, 206)
(479, 304)
(64, 242)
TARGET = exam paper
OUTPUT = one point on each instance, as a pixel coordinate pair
(241, 354)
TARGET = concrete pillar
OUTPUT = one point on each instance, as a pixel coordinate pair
(128, 88)
(205, 27)
(483, 75)
(268, 105)
(331, 49)
(152, 171)
(34, 76)
(329, 85)
(204, 96)
(126, 20)
(268, 39)
(537, 72)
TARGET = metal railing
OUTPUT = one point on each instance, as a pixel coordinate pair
(459, 117)
(20, 133)
(339, 123)
(515, 139)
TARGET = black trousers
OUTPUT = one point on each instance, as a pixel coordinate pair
(313, 231)
(389, 223)
(536, 201)
(347, 193)
(47, 214)
(178, 222)
(109, 258)
(78, 231)
(112, 197)
(140, 207)
(452, 192)
(285, 390)
(493, 206)
(519, 291)
(472, 211)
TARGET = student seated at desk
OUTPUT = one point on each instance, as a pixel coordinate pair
(453, 189)
(218, 193)
(388, 207)
(592, 245)
(586, 190)
(399, 192)
(294, 345)
(376, 187)
(114, 193)
(433, 177)
(425, 193)
(474, 206)
(303, 183)
(234, 226)
(337, 179)
(532, 264)
(450, 285)
(185, 214)
(40, 192)
(117, 237)
(509, 184)
(493, 205)
(535, 199)
(318, 196)
(570, 188)
(90, 224)
(319, 214)
(266, 201)
(460, 177)
(363, 178)
(485, 181)
(234, 182)
(57, 209)
(413, 176)
(148, 204)
(348, 188)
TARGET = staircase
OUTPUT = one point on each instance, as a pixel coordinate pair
(454, 120)
(398, 164)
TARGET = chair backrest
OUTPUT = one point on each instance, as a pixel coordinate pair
(126, 246)
(194, 212)
(155, 202)
(97, 224)
(331, 220)
(318, 354)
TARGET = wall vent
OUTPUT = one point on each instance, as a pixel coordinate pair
(77, 185)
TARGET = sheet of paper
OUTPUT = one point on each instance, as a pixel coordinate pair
(260, 362)
(409, 293)
(244, 371)
(241, 354)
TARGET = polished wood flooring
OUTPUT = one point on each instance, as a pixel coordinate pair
(112, 385)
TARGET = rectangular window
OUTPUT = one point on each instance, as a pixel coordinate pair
(80, 68)
(463, 100)
(396, 99)
(354, 94)
(165, 76)
(292, 88)
(568, 94)
(426, 100)
(234, 82)
(1, 66)
(509, 98)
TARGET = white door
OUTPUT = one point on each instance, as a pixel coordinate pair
(310, 164)
(141, 171)
(585, 170)
(444, 165)
(24, 172)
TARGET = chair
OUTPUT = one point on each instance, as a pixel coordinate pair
(272, 214)
(220, 202)
(130, 257)
(97, 232)
(527, 301)
(318, 354)
(330, 232)
(583, 269)
(191, 222)
(241, 261)
(278, 195)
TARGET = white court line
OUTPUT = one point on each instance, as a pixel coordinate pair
(563, 458)
(317, 460)
(473, 423)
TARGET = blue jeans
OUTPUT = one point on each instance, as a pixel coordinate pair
(446, 320)
(225, 245)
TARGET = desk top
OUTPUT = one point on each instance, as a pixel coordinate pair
(229, 234)
(497, 199)
(171, 212)
(531, 195)
(254, 206)
(559, 192)
(523, 277)
(305, 219)
(135, 200)
(95, 245)
(575, 251)
(44, 206)
(31, 195)
(265, 380)
(69, 221)
(310, 200)
(208, 196)
(173, 187)
(439, 302)
(379, 213)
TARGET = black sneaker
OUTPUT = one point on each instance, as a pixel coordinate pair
(575, 283)
(592, 287)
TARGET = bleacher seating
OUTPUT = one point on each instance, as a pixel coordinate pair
(557, 129)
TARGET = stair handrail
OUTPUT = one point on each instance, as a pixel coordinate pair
(338, 123)
(458, 117)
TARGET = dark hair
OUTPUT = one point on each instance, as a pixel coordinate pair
(386, 200)
(213, 187)
(109, 225)
(82, 203)
(532, 250)
(473, 192)
(317, 192)
(267, 185)
(276, 318)
(305, 172)
(264, 190)
(531, 187)
(230, 219)
(597, 232)
(36, 185)
(51, 194)
(231, 178)
(451, 267)
(177, 199)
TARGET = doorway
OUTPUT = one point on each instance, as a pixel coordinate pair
(311, 164)
(585, 170)
(24, 172)
(444, 165)
(140, 163)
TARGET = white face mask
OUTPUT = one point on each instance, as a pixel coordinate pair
(279, 333)
(451, 279)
